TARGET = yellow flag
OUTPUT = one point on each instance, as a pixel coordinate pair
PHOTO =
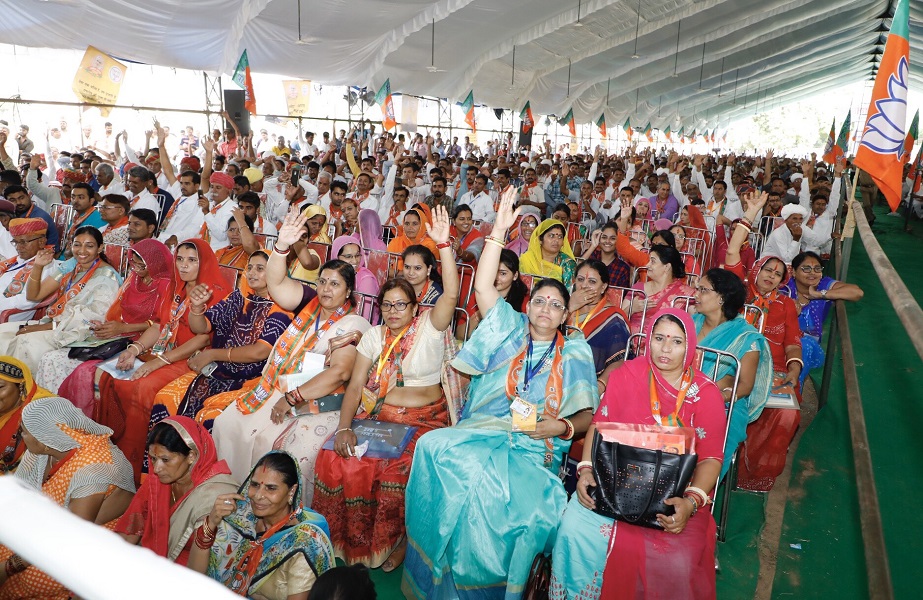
(98, 79)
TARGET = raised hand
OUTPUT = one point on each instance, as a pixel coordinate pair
(199, 296)
(439, 230)
(293, 227)
(44, 257)
(225, 504)
(506, 216)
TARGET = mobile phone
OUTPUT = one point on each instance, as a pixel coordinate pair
(296, 174)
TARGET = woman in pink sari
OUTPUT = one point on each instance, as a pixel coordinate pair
(596, 557)
(665, 281)
(348, 249)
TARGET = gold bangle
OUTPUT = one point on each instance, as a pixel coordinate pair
(163, 358)
(229, 355)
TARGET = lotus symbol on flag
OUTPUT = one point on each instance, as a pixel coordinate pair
(884, 132)
(829, 145)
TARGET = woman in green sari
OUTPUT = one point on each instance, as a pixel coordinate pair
(550, 254)
(719, 325)
(484, 497)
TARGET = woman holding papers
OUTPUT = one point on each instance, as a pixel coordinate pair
(397, 378)
(484, 497)
(296, 402)
(125, 403)
(769, 436)
(597, 557)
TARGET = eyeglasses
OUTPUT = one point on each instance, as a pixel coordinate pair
(24, 242)
(808, 269)
(398, 306)
(703, 290)
(107, 207)
(540, 303)
(349, 256)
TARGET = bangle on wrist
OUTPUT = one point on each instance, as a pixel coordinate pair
(444, 245)
(285, 252)
(794, 359)
(163, 358)
(339, 431)
(568, 430)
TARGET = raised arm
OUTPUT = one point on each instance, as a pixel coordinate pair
(754, 206)
(286, 292)
(209, 145)
(165, 164)
(484, 290)
(246, 236)
(444, 310)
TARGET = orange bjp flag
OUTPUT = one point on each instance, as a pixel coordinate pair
(882, 146)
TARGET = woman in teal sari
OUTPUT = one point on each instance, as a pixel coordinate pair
(484, 497)
(719, 325)
(261, 542)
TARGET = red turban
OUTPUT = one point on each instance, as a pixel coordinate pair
(191, 163)
(27, 226)
(222, 178)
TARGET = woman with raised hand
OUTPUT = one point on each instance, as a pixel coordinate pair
(296, 402)
(484, 497)
(769, 436)
(397, 378)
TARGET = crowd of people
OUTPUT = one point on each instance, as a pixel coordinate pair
(255, 362)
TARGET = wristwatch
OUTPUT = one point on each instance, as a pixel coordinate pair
(823, 293)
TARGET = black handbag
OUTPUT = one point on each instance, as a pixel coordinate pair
(539, 581)
(104, 352)
(633, 483)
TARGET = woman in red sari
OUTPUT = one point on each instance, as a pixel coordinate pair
(769, 436)
(139, 304)
(396, 378)
(186, 478)
(596, 557)
(125, 404)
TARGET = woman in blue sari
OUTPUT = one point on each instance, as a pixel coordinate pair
(261, 542)
(719, 325)
(814, 294)
(483, 497)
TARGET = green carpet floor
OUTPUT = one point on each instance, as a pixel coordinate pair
(820, 552)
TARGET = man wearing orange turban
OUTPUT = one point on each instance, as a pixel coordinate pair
(28, 239)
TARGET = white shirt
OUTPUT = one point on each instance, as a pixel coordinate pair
(145, 200)
(115, 187)
(482, 206)
(264, 227)
(7, 249)
(217, 222)
(185, 222)
(18, 301)
(780, 243)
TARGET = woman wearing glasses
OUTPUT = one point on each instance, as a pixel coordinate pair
(484, 497)
(814, 294)
(397, 378)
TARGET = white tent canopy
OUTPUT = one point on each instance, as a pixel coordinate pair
(567, 54)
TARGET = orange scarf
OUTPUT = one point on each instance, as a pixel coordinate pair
(290, 347)
(19, 280)
(554, 388)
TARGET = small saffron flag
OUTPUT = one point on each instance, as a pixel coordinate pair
(568, 120)
(648, 132)
(682, 134)
(601, 123)
(383, 98)
(468, 108)
(528, 121)
(668, 134)
(883, 137)
(912, 136)
(242, 78)
(627, 127)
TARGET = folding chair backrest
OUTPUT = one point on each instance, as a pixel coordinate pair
(754, 316)
(230, 274)
(118, 256)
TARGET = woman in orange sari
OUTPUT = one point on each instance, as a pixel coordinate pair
(415, 221)
(72, 461)
(240, 246)
(125, 404)
(17, 389)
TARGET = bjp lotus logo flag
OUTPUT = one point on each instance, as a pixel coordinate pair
(882, 145)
